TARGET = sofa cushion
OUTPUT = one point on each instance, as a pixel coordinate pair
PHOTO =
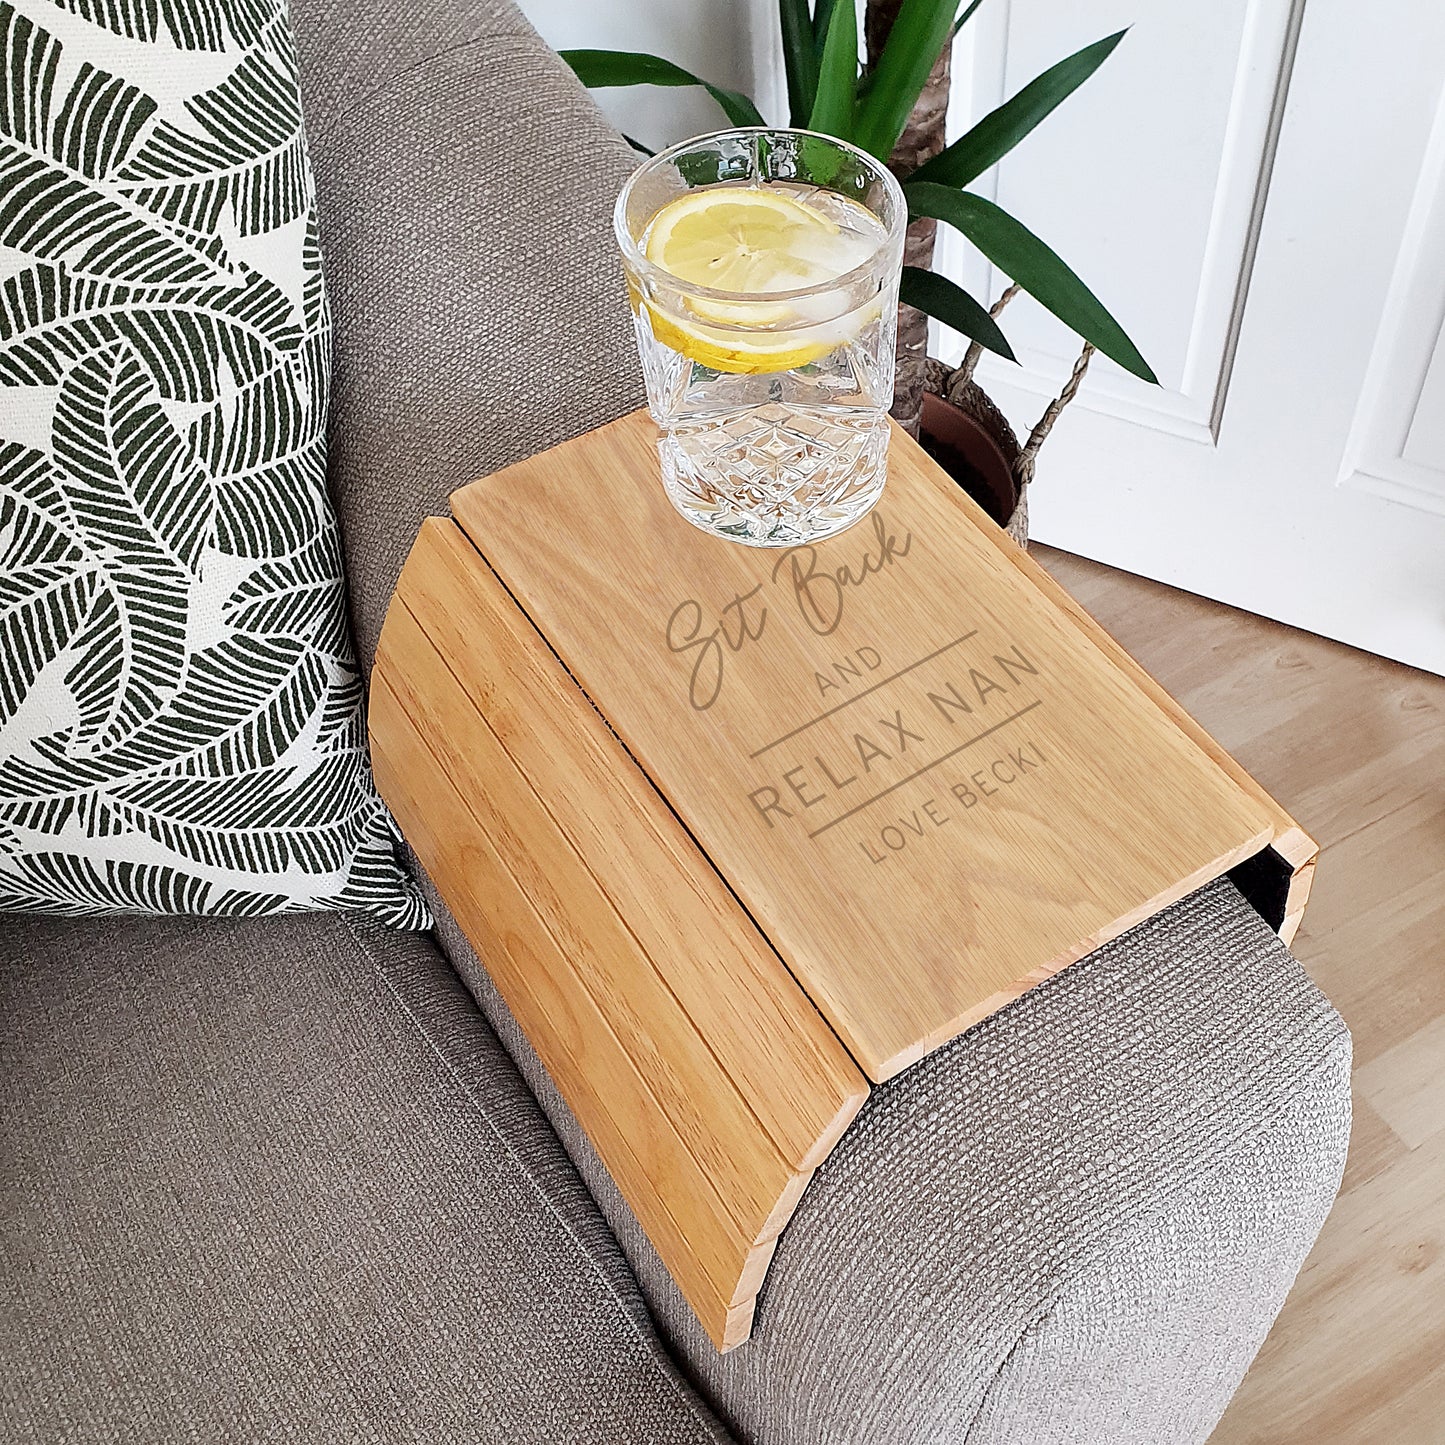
(500, 327)
(180, 710)
(276, 1180)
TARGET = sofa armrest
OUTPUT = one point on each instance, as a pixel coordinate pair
(1075, 1223)
(465, 183)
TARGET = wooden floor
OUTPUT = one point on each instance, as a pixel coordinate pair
(1354, 747)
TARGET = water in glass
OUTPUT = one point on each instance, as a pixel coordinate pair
(765, 306)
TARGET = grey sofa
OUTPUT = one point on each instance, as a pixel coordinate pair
(302, 1179)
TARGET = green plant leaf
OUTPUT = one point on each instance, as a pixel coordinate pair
(258, 509)
(1002, 129)
(601, 69)
(239, 149)
(920, 32)
(34, 524)
(822, 16)
(1020, 255)
(69, 882)
(965, 18)
(60, 149)
(244, 700)
(951, 304)
(50, 319)
(192, 26)
(266, 419)
(865, 81)
(259, 822)
(800, 58)
(838, 74)
(295, 595)
(143, 503)
(41, 608)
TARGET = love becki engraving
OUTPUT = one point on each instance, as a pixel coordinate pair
(818, 591)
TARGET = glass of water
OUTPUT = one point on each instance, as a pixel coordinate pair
(763, 268)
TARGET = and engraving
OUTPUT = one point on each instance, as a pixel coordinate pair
(818, 593)
(850, 668)
(859, 696)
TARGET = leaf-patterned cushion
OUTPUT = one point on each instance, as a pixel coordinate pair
(181, 724)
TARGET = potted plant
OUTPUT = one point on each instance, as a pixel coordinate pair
(891, 102)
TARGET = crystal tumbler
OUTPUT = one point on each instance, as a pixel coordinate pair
(762, 269)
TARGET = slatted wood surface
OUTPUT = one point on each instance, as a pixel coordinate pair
(704, 1076)
(737, 831)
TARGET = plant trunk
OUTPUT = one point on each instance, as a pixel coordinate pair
(922, 138)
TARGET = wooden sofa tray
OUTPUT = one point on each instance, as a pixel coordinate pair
(739, 832)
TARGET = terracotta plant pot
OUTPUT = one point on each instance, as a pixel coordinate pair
(967, 435)
(970, 438)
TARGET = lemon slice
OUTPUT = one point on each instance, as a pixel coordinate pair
(758, 241)
(733, 350)
(749, 239)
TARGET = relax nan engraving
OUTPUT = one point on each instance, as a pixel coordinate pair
(818, 592)
(903, 734)
(861, 767)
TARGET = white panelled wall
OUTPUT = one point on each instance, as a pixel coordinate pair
(1256, 188)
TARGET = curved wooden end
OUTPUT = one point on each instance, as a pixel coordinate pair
(727, 1315)
(1300, 852)
(702, 1075)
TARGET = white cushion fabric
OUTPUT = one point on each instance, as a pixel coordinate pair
(181, 716)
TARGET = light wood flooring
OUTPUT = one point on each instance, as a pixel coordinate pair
(1354, 747)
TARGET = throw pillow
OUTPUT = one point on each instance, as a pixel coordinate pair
(181, 715)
